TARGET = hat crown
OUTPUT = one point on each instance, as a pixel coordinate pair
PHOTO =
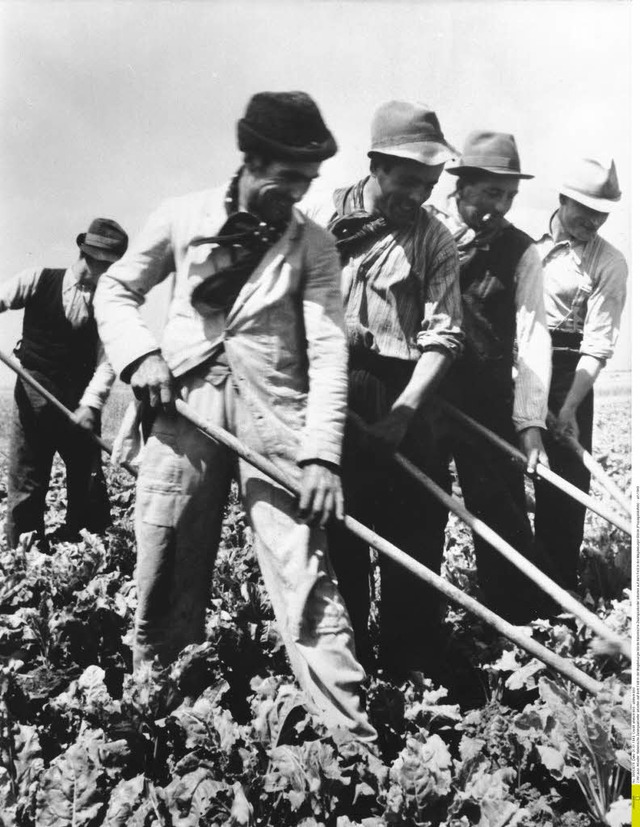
(107, 231)
(400, 122)
(593, 179)
(491, 151)
(286, 124)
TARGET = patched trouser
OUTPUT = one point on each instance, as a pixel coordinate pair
(182, 490)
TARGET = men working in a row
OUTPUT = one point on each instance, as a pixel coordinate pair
(61, 350)
(255, 343)
(585, 289)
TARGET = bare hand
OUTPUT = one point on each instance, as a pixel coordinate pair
(533, 447)
(86, 417)
(565, 424)
(320, 495)
(152, 382)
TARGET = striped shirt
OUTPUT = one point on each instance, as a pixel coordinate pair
(402, 291)
(585, 288)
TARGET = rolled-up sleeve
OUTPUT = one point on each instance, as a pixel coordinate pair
(122, 290)
(322, 435)
(97, 391)
(604, 309)
(533, 363)
(441, 326)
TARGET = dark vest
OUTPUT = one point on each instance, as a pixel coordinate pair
(488, 289)
(50, 344)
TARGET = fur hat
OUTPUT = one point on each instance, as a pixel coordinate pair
(285, 126)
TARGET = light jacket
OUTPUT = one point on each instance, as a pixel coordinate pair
(284, 335)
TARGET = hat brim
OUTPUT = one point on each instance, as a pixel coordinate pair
(598, 204)
(97, 252)
(249, 140)
(511, 173)
(431, 155)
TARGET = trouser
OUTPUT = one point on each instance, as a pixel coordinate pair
(182, 490)
(559, 519)
(492, 485)
(384, 497)
(38, 430)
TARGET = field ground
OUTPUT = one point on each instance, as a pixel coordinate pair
(223, 737)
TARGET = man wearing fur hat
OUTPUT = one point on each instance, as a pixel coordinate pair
(254, 342)
(585, 288)
(402, 305)
(502, 295)
(61, 350)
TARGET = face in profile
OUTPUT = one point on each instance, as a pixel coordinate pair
(403, 187)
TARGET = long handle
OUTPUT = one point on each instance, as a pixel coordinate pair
(26, 377)
(598, 473)
(541, 470)
(561, 665)
(560, 595)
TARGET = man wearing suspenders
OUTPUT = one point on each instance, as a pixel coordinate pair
(585, 289)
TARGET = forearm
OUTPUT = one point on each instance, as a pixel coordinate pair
(587, 371)
(428, 373)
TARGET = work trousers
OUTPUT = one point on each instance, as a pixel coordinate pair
(38, 431)
(385, 498)
(492, 485)
(559, 521)
(182, 490)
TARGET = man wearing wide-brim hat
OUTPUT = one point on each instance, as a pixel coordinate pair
(61, 350)
(585, 288)
(402, 305)
(254, 342)
(505, 329)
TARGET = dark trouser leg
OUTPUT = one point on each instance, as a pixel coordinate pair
(412, 519)
(559, 520)
(493, 490)
(351, 563)
(87, 497)
(31, 455)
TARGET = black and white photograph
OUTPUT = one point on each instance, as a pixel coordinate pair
(316, 492)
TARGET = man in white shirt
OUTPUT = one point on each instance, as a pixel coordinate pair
(60, 348)
(585, 289)
(254, 342)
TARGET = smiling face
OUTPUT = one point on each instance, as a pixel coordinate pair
(271, 188)
(484, 200)
(579, 222)
(402, 187)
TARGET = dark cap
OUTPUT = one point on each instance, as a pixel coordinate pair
(285, 126)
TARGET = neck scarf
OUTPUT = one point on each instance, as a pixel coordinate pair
(352, 225)
(241, 243)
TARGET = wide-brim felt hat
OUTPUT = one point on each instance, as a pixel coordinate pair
(492, 152)
(412, 131)
(285, 126)
(593, 184)
(105, 240)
